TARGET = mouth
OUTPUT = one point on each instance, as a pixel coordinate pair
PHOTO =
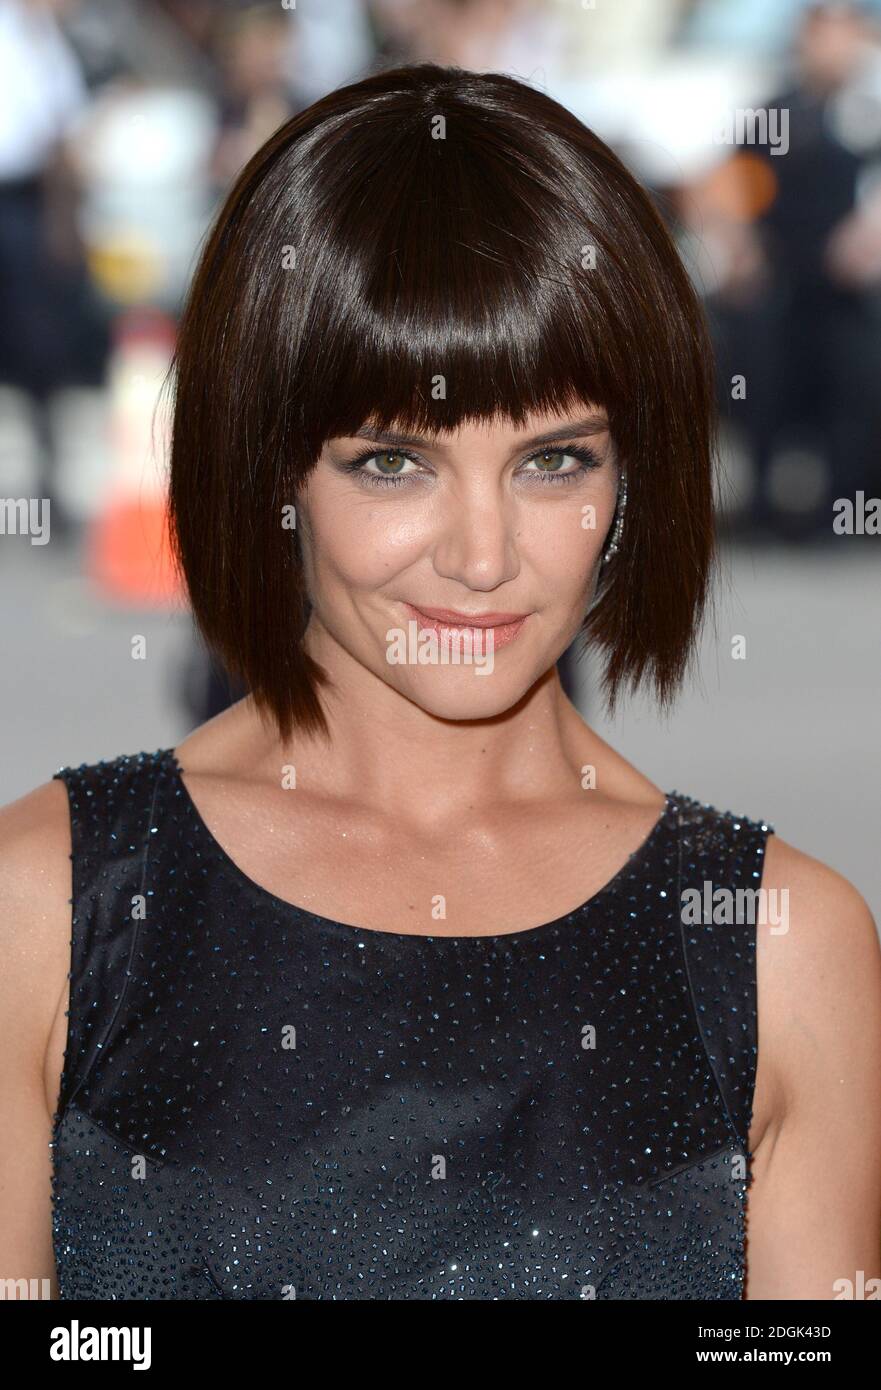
(497, 628)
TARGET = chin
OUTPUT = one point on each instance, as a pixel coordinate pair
(463, 695)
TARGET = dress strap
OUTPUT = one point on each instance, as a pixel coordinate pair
(721, 858)
(112, 806)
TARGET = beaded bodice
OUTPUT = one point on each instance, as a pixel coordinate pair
(262, 1103)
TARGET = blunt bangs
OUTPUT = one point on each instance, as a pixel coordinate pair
(422, 249)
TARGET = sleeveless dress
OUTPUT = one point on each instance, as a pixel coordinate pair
(261, 1103)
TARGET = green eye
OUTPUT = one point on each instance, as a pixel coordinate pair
(551, 464)
(382, 459)
(383, 468)
(549, 454)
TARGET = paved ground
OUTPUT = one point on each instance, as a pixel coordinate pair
(790, 735)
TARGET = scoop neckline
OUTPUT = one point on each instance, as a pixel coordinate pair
(282, 905)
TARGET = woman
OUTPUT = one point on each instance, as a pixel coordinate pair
(394, 980)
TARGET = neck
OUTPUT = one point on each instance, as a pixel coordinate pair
(386, 750)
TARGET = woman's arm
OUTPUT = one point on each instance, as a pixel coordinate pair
(35, 952)
(814, 1208)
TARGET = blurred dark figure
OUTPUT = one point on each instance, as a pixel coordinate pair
(258, 91)
(204, 685)
(52, 330)
(798, 314)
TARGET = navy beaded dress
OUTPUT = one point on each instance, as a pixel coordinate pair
(261, 1103)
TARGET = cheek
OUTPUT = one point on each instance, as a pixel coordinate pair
(358, 544)
(564, 544)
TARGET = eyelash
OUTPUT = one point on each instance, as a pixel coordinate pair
(587, 458)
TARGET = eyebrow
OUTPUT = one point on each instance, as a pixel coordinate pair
(595, 424)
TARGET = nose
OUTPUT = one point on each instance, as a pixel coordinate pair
(476, 542)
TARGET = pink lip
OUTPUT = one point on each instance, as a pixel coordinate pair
(446, 621)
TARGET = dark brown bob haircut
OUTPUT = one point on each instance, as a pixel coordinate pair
(429, 221)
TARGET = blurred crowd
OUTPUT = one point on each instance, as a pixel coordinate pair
(756, 124)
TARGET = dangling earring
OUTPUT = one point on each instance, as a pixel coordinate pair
(612, 547)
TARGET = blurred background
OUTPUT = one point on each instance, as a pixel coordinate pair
(756, 124)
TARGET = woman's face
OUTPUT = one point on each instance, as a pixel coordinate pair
(405, 540)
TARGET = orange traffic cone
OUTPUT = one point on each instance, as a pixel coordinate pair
(128, 554)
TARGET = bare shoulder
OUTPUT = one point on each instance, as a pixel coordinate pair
(829, 923)
(35, 929)
(815, 1203)
(819, 977)
(35, 847)
(35, 890)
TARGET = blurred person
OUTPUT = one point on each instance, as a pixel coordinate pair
(258, 76)
(517, 36)
(410, 465)
(52, 332)
(160, 43)
(793, 312)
